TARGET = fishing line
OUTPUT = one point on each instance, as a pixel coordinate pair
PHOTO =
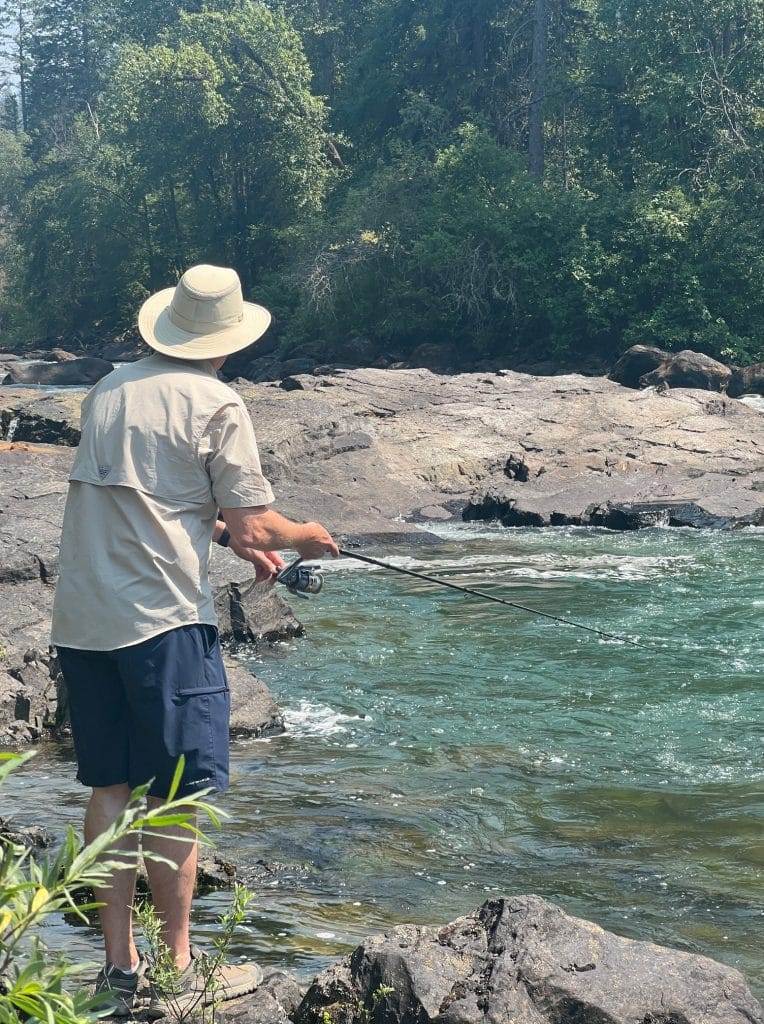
(501, 600)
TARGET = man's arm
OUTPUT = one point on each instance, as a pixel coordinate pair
(260, 528)
(268, 564)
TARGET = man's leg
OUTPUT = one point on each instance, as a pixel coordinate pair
(98, 713)
(116, 914)
(172, 889)
(179, 704)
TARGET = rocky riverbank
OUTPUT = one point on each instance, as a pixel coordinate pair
(519, 960)
(375, 453)
(516, 959)
(372, 451)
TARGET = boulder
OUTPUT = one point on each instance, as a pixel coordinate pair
(297, 364)
(523, 960)
(40, 417)
(214, 872)
(689, 369)
(356, 351)
(32, 837)
(28, 694)
(746, 380)
(254, 712)
(249, 612)
(125, 348)
(274, 1002)
(46, 355)
(86, 370)
(635, 362)
(59, 355)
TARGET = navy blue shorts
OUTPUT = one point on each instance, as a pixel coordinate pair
(135, 710)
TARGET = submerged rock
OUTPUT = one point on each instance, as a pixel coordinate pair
(214, 872)
(33, 837)
(523, 960)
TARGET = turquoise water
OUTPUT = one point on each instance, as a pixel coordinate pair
(442, 749)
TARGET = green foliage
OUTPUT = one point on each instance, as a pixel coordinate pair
(165, 974)
(363, 164)
(35, 984)
(205, 146)
(459, 247)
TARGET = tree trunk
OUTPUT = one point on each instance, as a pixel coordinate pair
(22, 59)
(538, 90)
(180, 255)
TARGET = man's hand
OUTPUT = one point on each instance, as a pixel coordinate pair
(268, 564)
(315, 541)
(262, 529)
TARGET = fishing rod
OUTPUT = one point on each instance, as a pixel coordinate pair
(302, 579)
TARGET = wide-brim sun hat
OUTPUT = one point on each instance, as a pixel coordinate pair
(203, 317)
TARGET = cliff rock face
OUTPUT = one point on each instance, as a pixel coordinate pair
(523, 960)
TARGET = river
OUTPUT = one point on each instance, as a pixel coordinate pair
(441, 750)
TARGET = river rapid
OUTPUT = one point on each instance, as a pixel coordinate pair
(441, 750)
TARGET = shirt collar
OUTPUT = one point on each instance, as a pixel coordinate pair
(205, 365)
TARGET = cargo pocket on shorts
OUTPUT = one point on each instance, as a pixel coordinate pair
(202, 705)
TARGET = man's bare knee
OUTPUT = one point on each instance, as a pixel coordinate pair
(111, 796)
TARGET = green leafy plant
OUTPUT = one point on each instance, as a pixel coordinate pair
(165, 974)
(34, 983)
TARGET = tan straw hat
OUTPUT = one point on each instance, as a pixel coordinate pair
(203, 317)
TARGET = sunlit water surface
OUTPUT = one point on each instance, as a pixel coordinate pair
(441, 750)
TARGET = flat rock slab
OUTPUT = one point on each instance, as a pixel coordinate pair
(523, 960)
(367, 450)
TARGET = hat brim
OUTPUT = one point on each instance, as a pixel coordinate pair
(157, 330)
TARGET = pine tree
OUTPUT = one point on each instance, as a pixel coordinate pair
(10, 118)
(70, 48)
(15, 59)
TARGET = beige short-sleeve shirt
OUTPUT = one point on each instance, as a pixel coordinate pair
(164, 446)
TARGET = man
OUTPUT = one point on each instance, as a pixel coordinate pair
(167, 462)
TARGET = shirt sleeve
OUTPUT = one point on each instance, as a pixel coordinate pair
(228, 450)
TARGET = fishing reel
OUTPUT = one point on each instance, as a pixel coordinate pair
(301, 578)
